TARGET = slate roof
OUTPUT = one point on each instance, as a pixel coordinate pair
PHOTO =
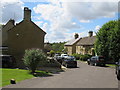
(31, 22)
(87, 41)
(71, 42)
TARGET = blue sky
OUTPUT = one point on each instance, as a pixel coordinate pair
(61, 20)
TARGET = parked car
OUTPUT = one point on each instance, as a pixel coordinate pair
(7, 61)
(70, 61)
(118, 69)
(64, 55)
(96, 61)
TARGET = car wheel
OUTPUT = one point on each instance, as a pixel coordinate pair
(116, 71)
(118, 77)
(103, 65)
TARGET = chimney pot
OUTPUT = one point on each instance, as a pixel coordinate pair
(27, 13)
(76, 35)
(90, 33)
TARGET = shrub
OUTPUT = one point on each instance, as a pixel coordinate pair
(52, 53)
(85, 57)
(33, 58)
(77, 56)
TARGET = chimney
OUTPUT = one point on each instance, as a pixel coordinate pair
(90, 33)
(12, 21)
(27, 14)
(76, 35)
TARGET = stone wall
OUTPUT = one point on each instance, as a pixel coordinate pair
(24, 36)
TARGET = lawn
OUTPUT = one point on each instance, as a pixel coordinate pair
(19, 75)
(111, 65)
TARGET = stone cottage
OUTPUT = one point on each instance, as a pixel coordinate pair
(86, 45)
(22, 36)
(70, 46)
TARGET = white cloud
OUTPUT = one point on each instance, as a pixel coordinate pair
(60, 23)
(90, 10)
(61, 15)
(38, 22)
(11, 9)
(85, 21)
(97, 27)
(45, 26)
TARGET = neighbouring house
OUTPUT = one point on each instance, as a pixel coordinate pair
(86, 45)
(70, 46)
(22, 36)
(10, 24)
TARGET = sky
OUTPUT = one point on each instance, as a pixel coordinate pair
(61, 19)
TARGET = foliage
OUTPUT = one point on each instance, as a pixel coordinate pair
(107, 40)
(58, 47)
(82, 57)
(33, 58)
(85, 57)
(77, 56)
(114, 49)
(52, 53)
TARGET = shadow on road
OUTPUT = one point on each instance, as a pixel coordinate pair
(73, 67)
(52, 70)
(42, 74)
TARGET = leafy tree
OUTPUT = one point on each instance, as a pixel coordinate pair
(107, 40)
(115, 42)
(85, 57)
(52, 53)
(58, 47)
(33, 58)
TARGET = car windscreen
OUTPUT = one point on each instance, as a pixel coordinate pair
(65, 55)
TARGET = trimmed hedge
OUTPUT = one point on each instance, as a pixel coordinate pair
(82, 57)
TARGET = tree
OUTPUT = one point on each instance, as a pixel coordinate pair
(107, 40)
(33, 58)
(115, 42)
(58, 47)
(52, 53)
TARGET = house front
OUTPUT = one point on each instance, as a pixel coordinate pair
(86, 45)
(70, 46)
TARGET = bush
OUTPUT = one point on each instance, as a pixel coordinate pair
(82, 57)
(33, 58)
(52, 53)
(77, 56)
(85, 57)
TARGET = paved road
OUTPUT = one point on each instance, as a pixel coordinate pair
(82, 77)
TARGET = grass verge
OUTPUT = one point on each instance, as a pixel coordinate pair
(19, 75)
(111, 65)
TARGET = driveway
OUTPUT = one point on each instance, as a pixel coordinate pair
(84, 76)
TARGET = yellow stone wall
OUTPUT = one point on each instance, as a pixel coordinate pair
(84, 50)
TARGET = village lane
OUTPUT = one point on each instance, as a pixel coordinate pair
(84, 76)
